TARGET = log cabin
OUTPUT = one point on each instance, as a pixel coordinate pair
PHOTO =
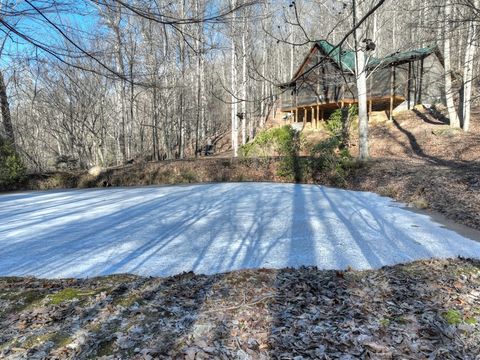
(325, 81)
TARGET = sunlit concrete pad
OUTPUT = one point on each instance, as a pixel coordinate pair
(212, 228)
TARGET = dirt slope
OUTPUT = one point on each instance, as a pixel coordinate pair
(418, 134)
(419, 159)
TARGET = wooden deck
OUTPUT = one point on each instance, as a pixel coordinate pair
(314, 113)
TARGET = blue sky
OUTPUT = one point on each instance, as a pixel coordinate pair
(77, 21)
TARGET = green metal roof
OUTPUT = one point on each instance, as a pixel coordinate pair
(402, 57)
(346, 58)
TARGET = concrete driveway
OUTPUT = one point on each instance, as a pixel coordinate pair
(212, 228)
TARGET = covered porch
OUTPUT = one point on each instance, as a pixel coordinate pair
(314, 114)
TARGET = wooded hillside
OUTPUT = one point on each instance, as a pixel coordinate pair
(101, 82)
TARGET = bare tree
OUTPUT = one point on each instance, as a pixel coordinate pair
(468, 66)
(5, 109)
(361, 79)
(454, 120)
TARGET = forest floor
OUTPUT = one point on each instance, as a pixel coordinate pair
(425, 309)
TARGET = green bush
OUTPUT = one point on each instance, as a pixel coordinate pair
(293, 168)
(12, 168)
(272, 142)
(283, 141)
(334, 124)
(328, 159)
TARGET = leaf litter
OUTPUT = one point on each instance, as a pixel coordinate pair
(424, 309)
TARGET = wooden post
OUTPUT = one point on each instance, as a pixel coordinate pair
(313, 115)
(419, 99)
(304, 116)
(295, 119)
(409, 84)
(295, 115)
(392, 92)
(371, 97)
(317, 118)
(414, 73)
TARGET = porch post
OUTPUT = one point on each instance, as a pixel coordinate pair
(409, 84)
(392, 92)
(419, 100)
(415, 84)
(371, 97)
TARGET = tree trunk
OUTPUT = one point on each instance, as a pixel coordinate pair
(361, 79)
(123, 94)
(5, 108)
(155, 141)
(244, 82)
(181, 140)
(452, 113)
(199, 82)
(233, 64)
(132, 108)
(199, 105)
(468, 72)
(362, 106)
